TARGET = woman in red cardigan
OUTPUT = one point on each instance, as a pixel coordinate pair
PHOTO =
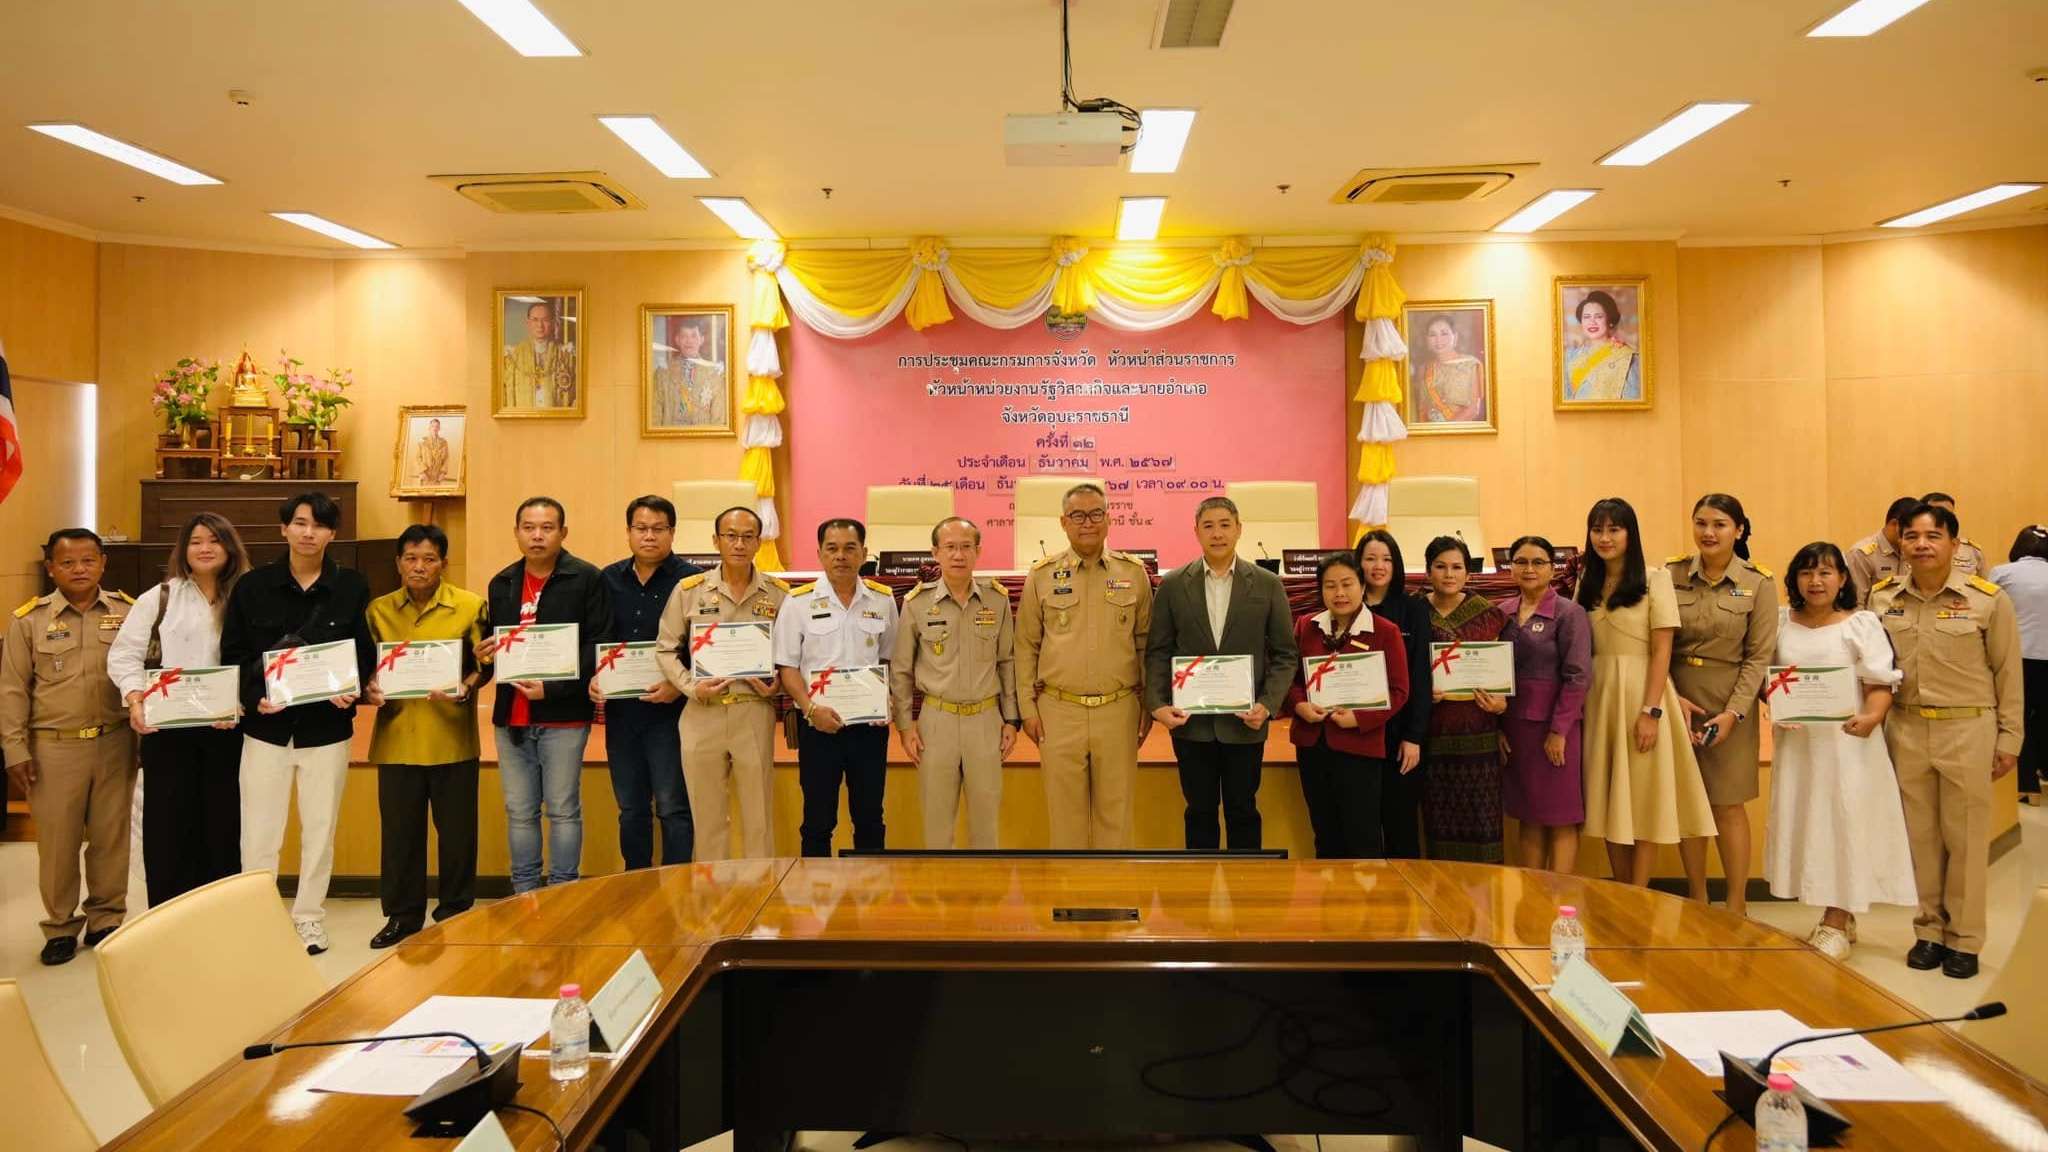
(1340, 751)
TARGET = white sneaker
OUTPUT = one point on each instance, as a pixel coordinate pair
(1831, 942)
(313, 934)
(1852, 928)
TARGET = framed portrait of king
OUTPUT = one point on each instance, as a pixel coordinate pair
(432, 455)
(688, 386)
(1449, 382)
(1600, 343)
(538, 347)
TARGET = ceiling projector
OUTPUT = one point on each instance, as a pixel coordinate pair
(1064, 139)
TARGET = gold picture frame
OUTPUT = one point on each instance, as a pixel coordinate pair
(688, 383)
(414, 471)
(539, 376)
(1614, 381)
(1467, 401)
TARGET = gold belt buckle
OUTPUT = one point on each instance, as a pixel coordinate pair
(1095, 701)
(1694, 661)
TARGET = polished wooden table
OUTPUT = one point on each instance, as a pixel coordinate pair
(817, 993)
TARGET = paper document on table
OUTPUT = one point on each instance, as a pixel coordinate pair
(1849, 1068)
(410, 1067)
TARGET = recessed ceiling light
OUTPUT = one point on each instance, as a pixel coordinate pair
(1692, 121)
(127, 154)
(1864, 17)
(328, 227)
(1162, 133)
(1137, 217)
(646, 136)
(1546, 208)
(522, 26)
(1960, 205)
(739, 216)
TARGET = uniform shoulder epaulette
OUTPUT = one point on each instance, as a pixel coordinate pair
(1868, 548)
(29, 607)
(694, 579)
(996, 585)
(1885, 583)
(1681, 558)
(123, 597)
(1126, 557)
(779, 582)
(1760, 569)
(1984, 586)
(915, 589)
(878, 586)
(1041, 562)
(1961, 540)
(805, 589)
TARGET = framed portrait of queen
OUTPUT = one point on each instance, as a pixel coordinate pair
(687, 379)
(1449, 382)
(1600, 343)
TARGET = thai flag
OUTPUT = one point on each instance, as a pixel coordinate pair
(10, 434)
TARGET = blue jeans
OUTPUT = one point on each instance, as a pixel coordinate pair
(547, 763)
(646, 758)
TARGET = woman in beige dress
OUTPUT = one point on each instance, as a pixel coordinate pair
(1643, 785)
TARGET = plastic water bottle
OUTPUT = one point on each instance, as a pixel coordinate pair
(1780, 1118)
(1567, 940)
(569, 1036)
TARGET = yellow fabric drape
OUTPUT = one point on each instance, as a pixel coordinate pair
(764, 308)
(1153, 277)
(858, 284)
(1002, 277)
(1073, 290)
(1375, 463)
(1301, 273)
(1231, 303)
(1379, 381)
(928, 300)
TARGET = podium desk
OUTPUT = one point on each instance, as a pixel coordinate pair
(962, 995)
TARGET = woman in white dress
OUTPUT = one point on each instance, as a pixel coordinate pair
(1837, 828)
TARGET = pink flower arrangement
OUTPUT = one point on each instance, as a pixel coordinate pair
(179, 393)
(309, 399)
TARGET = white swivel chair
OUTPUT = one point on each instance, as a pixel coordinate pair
(901, 516)
(1422, 508)
(192, 981)
(698, 503)
(40, 1114)
(1037, 516)
(1277, 514)
(2018, 1038)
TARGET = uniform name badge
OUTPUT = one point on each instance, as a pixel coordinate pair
(1348, 680)
(310, 674)
(538, 652)
(627, 671)
(191, 697)
(739, 651)
(1212, 684)
(859, 693)
(1463, 666)
(416, 669)
(1801, 694)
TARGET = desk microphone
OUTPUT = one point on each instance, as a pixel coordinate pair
(1263, 554)
(1041, 548)
(1743, 1082)
(457, 1100)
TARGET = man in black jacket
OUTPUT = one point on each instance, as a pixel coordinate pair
(543, 725)
(301, 600)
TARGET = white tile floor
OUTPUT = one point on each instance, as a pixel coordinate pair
(66, 1006)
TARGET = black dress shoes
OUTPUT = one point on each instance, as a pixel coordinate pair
(1959, 965)
(59, 950)
(1927, 955)
(93, 938)
(394, 931)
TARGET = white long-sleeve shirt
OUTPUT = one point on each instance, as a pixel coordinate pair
(190, 635)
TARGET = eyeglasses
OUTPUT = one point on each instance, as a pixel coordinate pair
(1524, 562)
(648, 529)
(1077, 519)
(735, 539)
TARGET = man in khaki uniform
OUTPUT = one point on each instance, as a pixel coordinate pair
(1955, 728)
(65, 737)
(1876, 556)
(1969, 558)
(957, 645)
(728, 726)
(1082, 622)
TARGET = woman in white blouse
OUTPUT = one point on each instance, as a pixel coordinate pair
(192, 813)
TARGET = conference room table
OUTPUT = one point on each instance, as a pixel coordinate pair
(1107, 997)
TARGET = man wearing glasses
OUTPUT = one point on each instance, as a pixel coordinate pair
(728, 732)
(1082, 621)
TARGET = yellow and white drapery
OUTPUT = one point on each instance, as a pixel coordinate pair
(848, 294)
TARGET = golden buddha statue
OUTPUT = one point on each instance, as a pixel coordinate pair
(249, 384)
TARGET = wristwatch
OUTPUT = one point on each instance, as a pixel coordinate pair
(1653, 712)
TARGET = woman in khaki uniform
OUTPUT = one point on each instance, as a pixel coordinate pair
(1727, 630)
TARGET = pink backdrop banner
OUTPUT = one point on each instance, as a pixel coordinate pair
(1165, 418)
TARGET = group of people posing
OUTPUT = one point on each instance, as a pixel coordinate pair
(1635, 715)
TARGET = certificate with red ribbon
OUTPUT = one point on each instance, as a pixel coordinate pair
(627, 671)
(1462, 666)
(1212, 684)
(1803, 694)
(1348, 680)
(310, 674)
(537, 652)
(858, 692)
(732, 651)
(416, 669)
(191, 697)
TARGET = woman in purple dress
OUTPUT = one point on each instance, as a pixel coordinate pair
(1553, 643)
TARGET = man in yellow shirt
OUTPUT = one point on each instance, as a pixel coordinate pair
(426, 748)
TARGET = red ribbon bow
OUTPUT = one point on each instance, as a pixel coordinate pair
(702, 641)
(285, 659)
(170, 676)
(1444, 658)
(611, 659)
(512, 636)
(390, 660)
(1180, 678)
(1316, 681)
(818, 685)
(1783, 680)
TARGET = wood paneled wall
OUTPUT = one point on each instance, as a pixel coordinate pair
(49, 310)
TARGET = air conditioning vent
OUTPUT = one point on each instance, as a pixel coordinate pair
(1191, 23)
(543, 193)
(1427, 185)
